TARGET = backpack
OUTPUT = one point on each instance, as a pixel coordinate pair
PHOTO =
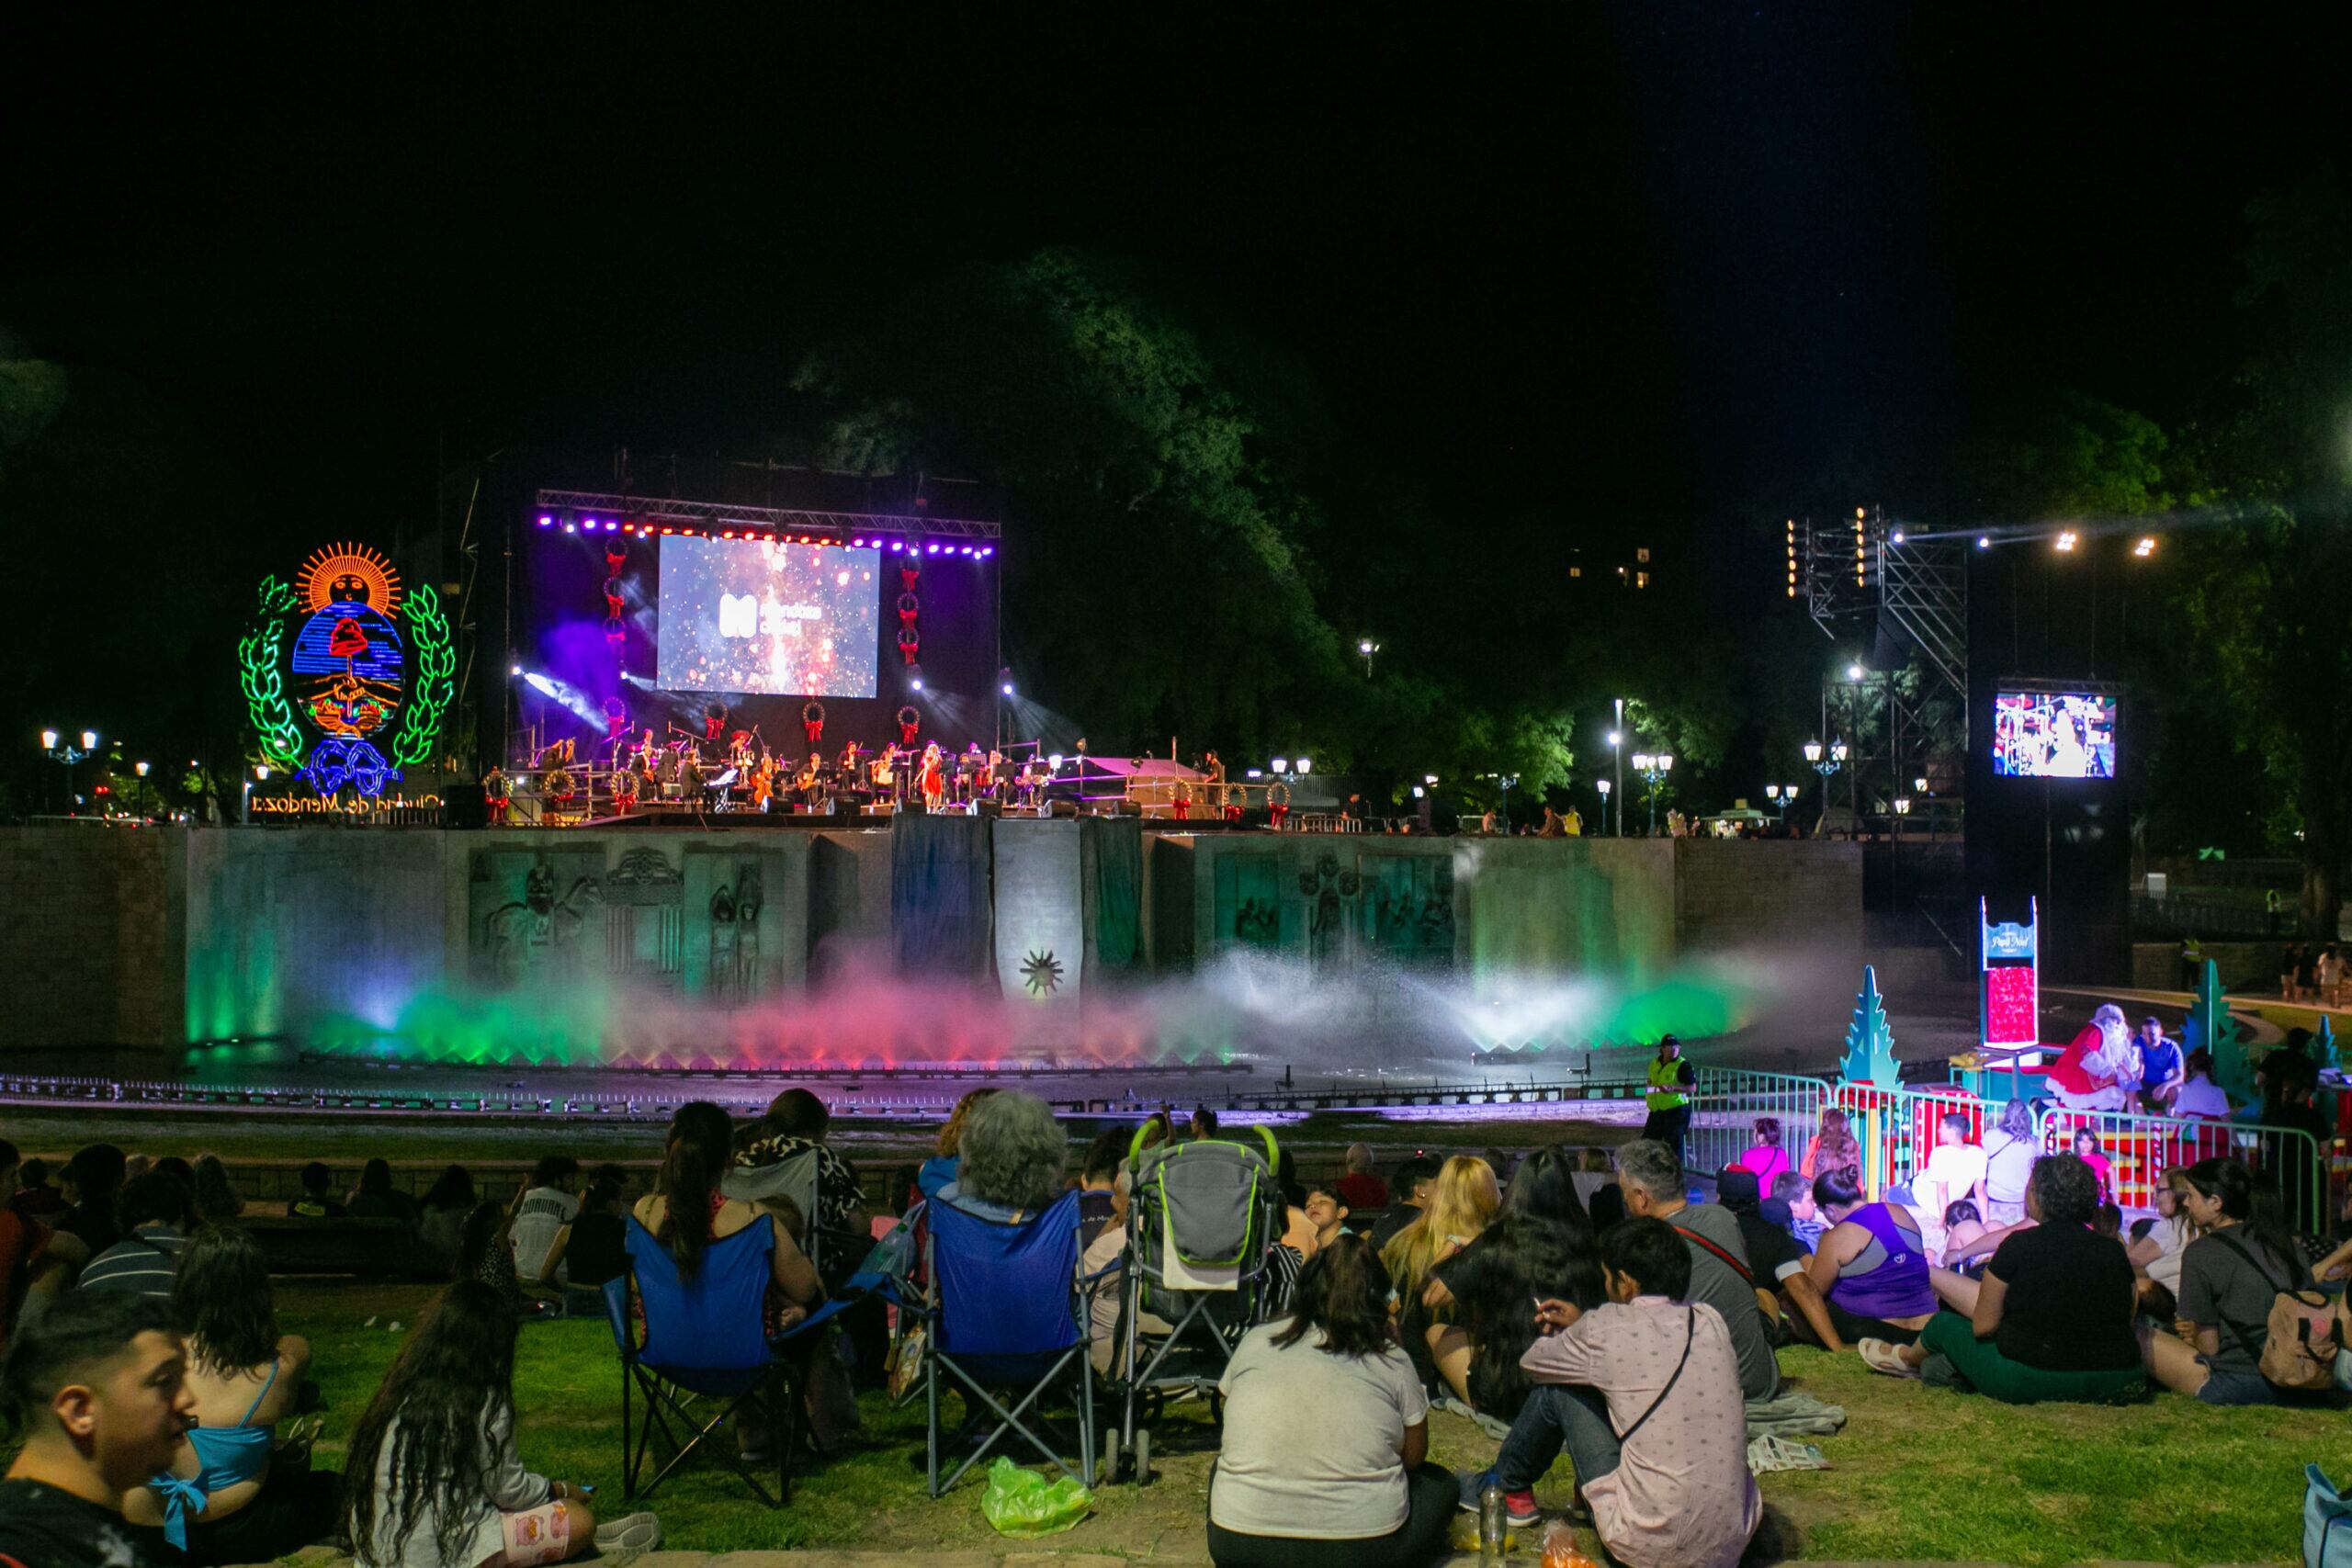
(2299, 1342)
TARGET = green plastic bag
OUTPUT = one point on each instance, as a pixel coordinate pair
(1023, 1503)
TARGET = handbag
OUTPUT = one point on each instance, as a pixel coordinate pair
(2327, 1522)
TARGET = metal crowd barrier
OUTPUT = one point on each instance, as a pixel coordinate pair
(1728, 1102)
(2140, 1149)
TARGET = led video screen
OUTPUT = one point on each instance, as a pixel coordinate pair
(2054, 735)
(774, 620)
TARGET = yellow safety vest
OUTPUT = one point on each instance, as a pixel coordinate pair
(1665, 1085)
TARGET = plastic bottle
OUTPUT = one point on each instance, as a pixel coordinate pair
(1490, 1524)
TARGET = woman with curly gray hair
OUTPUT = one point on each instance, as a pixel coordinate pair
(2053, 1317)
(1011, 1156)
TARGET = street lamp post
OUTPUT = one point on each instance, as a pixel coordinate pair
(1367, 647)
(1617, 752)
(1826, 765)
(140, 769)
(1653, 769)
(60, 749)
(1603, 785)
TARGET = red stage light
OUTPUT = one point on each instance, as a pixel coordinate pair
(727, 534)
(668, 530)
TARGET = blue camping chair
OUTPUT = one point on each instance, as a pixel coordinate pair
(706, 1341)
(1004, 1312)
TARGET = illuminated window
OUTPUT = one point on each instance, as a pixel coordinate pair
(1643, 556)
(1576, 571)
(1641, 579)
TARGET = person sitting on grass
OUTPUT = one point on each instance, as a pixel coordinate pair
(156, 1214)
(1765, 1157)
(1833, 1146)
(33, 1256)
(1963, 1228)
(589, 1250)
(1650, 1174)
(1410, 1187)
(434, 1480)
(549, 1204)
(1791, 1207)
(1361, 1188)
(1012, 1154)
(1644, 1392)
(1540, 1244)
(686, 1214)
(2157, 1255)
(229, 1497)
(376, 1199)
(2050, 1320)
(1955, 1170)
(96, 1174)
(1326, 1212)
(1461, 1202)
(35, 1198)
(1323, 1458)
(97, 1391)
(314, 1204)
(1871, 1265)
(2228, 1276)
(217, 1199)
(442, 1217)
(1785, 1292)
(2010, 1149)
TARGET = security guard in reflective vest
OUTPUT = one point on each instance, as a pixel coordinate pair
(1671, 1078)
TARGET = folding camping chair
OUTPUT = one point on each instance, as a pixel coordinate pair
(1003, 1313)
(1202, 1219)
(704, 1341)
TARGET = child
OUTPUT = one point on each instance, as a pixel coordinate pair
(1962, 1228)
(432, 1472)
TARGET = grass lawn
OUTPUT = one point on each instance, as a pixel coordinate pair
(1919, 1472)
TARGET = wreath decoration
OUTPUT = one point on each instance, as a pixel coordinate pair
(435, 683)
(258, 662)
(560, 786)
(812, 711)
(1278, 794)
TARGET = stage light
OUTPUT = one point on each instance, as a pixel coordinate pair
(546, 520)
(990, 550)
(2066, 540)
(571, 528)
(916, 682)
(1306, 766)
(896, 545)
(610, 525)
(1897, 538)
(934, 549)
(2145, 547)
(728, 533)
(514, 670)
(1983, 541)
(49, 741)
(1006, 688)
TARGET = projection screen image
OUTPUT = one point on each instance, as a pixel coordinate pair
(774, 620)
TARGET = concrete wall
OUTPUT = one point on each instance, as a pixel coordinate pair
(154, 938)
(90, 949)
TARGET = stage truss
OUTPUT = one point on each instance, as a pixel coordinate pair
(1900, 596)
(634, 510)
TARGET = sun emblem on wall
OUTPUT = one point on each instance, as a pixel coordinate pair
(1042, 974)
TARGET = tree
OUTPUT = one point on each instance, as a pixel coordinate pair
(2266, 605)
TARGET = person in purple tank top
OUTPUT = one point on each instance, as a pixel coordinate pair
(1871, 1265)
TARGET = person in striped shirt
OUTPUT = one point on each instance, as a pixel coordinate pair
(157, 1213)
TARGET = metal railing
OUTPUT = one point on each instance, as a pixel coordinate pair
(2140, 1149)
(1728, 1102)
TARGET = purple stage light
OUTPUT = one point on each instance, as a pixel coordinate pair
(570, 528)
(546, 520)
(896, 547)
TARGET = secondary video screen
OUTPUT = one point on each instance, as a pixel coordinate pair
(775, 619)
(2054, 735)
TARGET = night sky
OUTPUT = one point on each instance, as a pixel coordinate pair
(1665, 265)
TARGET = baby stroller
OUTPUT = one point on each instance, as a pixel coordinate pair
(1202, 1219)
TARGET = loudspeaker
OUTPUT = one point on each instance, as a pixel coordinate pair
(988, 807)
(1065, 808)
(465, 806)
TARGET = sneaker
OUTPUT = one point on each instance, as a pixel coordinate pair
(631, 1532)
(1519, 1507)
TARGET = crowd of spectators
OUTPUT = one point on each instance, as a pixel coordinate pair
(1569, 1301)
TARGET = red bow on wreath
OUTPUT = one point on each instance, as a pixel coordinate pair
(614, 560)
(908, 576)
(1278, 811)
(815, 729)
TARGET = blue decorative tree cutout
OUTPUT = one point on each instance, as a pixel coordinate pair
(2211, 1028)
(1869, 1043)
(2328, 1055)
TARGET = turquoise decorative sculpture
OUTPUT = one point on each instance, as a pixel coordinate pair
(1869, 1043)
(2211, 1028)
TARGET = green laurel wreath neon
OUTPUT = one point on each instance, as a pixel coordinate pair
(257, 672)
(436, 666)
